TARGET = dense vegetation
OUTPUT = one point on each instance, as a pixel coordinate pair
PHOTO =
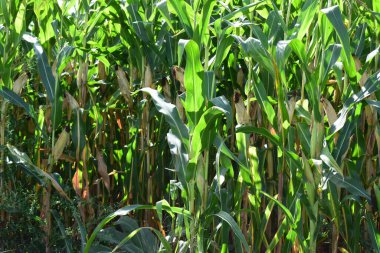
(189, 126)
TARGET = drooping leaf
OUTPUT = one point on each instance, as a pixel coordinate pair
(17, 100)
(43, 66)
(171, 115)
(234, 226)
(43, 177)
(371, 85)
(335, 17)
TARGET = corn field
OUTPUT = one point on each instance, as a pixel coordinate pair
(189, 126)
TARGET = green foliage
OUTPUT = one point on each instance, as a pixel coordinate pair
(202, 126)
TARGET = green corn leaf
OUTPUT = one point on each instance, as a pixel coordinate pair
(254, 48)
(371, 85)
(305, 136)
(305, 18)
(350, 184)
(374, 103)
(223, 50)
(245, 9)
(185, 15)
(43, 177)
(162, 6)
(125, 211)
(181, 158)
(221, 146)
(17, 100)
(20, 18)
(195, 92)
(62, 229)
(274, 138)
(64, 57)
(137, 23)
(224, 104)
(210, 84)
(331, 56)
(335, 17)
(202, 35)
(329, 160)
(164, 242)
(235, 228)
(43, 66)
(343, 143)
(262, 98)
(204, 131)
(373, 232)
(171, 115)
(4, 12)
(284, 208)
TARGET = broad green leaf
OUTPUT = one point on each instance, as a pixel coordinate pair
(164, 242)
(204, 131)
(17, 100)
(222, 50)
(125, 211)
(274, 138)
(274, 27)
(171, 115)
(162, 6)
(64, 57)
(203, 26)
(224, 104)
(209, 84)
(261, 96)
(331, 56)
(350, 184)
(43, 177)
(374, 103)
(343, 143)
(373, 232)
(306, 16)
(4, 12)
(43, 66)
(284, 208)
(371, 85)
(20, 18)
(62, 229)
(221, 146)
(329, 160)
(245, 9)
(305, 136)
(335, 17)
(181, 158)
(185, 15)
(234, 226)
(253, 48)
(195, 92)
(137, 23)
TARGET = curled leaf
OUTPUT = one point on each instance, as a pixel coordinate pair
(179, 74)
(72, 102)
(124, 85)
(102, 169)
(60, 144)
(20, 82)
(329, 110)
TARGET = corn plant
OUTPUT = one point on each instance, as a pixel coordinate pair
(268, 111)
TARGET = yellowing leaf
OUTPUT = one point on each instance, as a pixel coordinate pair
(330, 111)
(102, 169)
(60, 144)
